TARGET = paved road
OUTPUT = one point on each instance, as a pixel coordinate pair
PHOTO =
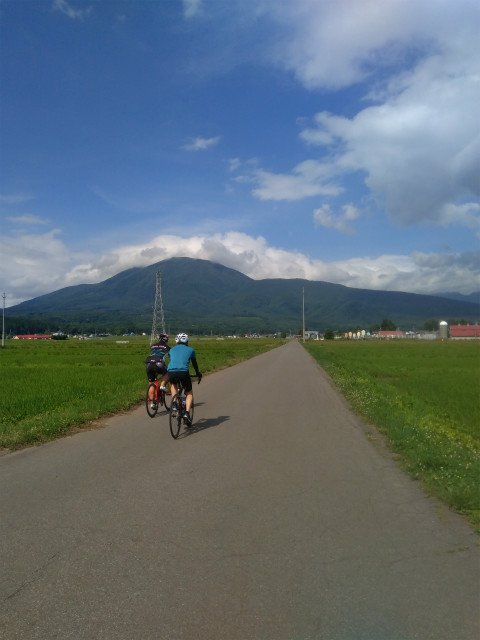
(278, 519)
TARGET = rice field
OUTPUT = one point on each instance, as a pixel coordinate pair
(49, 387)
(425, 398)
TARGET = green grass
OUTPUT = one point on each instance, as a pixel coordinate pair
(424, 396)
(49, 387)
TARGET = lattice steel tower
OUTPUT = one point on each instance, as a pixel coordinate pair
(158, 324)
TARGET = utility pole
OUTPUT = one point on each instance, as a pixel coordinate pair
(3, 321)
(303, 308)
(158, 323)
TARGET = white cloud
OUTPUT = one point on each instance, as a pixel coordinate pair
(309, 178)
(27, 219)
(467, 215)
(418, 147)
(191, 8)
(234, 164)
(201, 144)
(35, 265)
(336, 44)
(68, 10)
(419, 151)
(325, 217)
(15, 199)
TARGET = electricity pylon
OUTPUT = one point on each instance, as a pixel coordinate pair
(158, 324)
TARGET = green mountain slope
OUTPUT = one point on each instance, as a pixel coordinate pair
(203, 297)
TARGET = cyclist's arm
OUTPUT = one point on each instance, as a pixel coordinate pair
(195, 366)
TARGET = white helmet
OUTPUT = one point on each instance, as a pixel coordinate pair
(182, 338)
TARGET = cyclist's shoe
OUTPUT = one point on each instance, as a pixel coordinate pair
(187, 419)
(163, 388)
(153, 405)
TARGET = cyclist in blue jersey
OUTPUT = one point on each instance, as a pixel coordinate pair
(180, 357)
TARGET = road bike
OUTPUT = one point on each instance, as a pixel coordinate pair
(177, 409)
(156, 397)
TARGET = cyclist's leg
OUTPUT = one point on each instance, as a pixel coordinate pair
(189, 400)
(152, 393)
(152, 376)
(189, 409)
(163, 375)
(187, 385)
(172, 377)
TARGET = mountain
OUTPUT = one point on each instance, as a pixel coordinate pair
(203, 297)
(473, 297)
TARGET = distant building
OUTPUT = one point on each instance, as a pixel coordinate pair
(311, 335)
(426, 335)
(33, 336)
(392, 335)
(464, 331)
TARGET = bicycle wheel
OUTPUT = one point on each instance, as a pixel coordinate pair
(151, 405)
(175, 417)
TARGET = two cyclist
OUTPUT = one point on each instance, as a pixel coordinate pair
(155, 363)
(180, 357)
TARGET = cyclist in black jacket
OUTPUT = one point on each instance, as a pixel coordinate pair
(155, 362)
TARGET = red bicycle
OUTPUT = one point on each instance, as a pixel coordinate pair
(157, 397)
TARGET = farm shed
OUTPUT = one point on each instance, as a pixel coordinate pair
(464, 331)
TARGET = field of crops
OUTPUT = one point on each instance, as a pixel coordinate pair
(50, 386)
(425, 397)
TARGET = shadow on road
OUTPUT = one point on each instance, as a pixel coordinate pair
(202, 424)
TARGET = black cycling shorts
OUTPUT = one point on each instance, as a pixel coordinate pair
(184, 376)
(155, 369)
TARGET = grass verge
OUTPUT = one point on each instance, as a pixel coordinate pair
(425, 398)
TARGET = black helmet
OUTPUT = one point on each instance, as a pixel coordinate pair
(164, 337)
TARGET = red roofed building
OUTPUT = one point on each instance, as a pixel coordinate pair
(392, 334)
(464, 331)
(33, 336)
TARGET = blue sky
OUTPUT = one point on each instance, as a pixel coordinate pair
(335, 141)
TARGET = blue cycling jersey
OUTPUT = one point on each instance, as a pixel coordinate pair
(180, 357)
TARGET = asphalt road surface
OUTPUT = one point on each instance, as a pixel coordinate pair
(280, 517)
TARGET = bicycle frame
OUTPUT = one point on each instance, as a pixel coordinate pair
(155, 400)
(177, 408)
